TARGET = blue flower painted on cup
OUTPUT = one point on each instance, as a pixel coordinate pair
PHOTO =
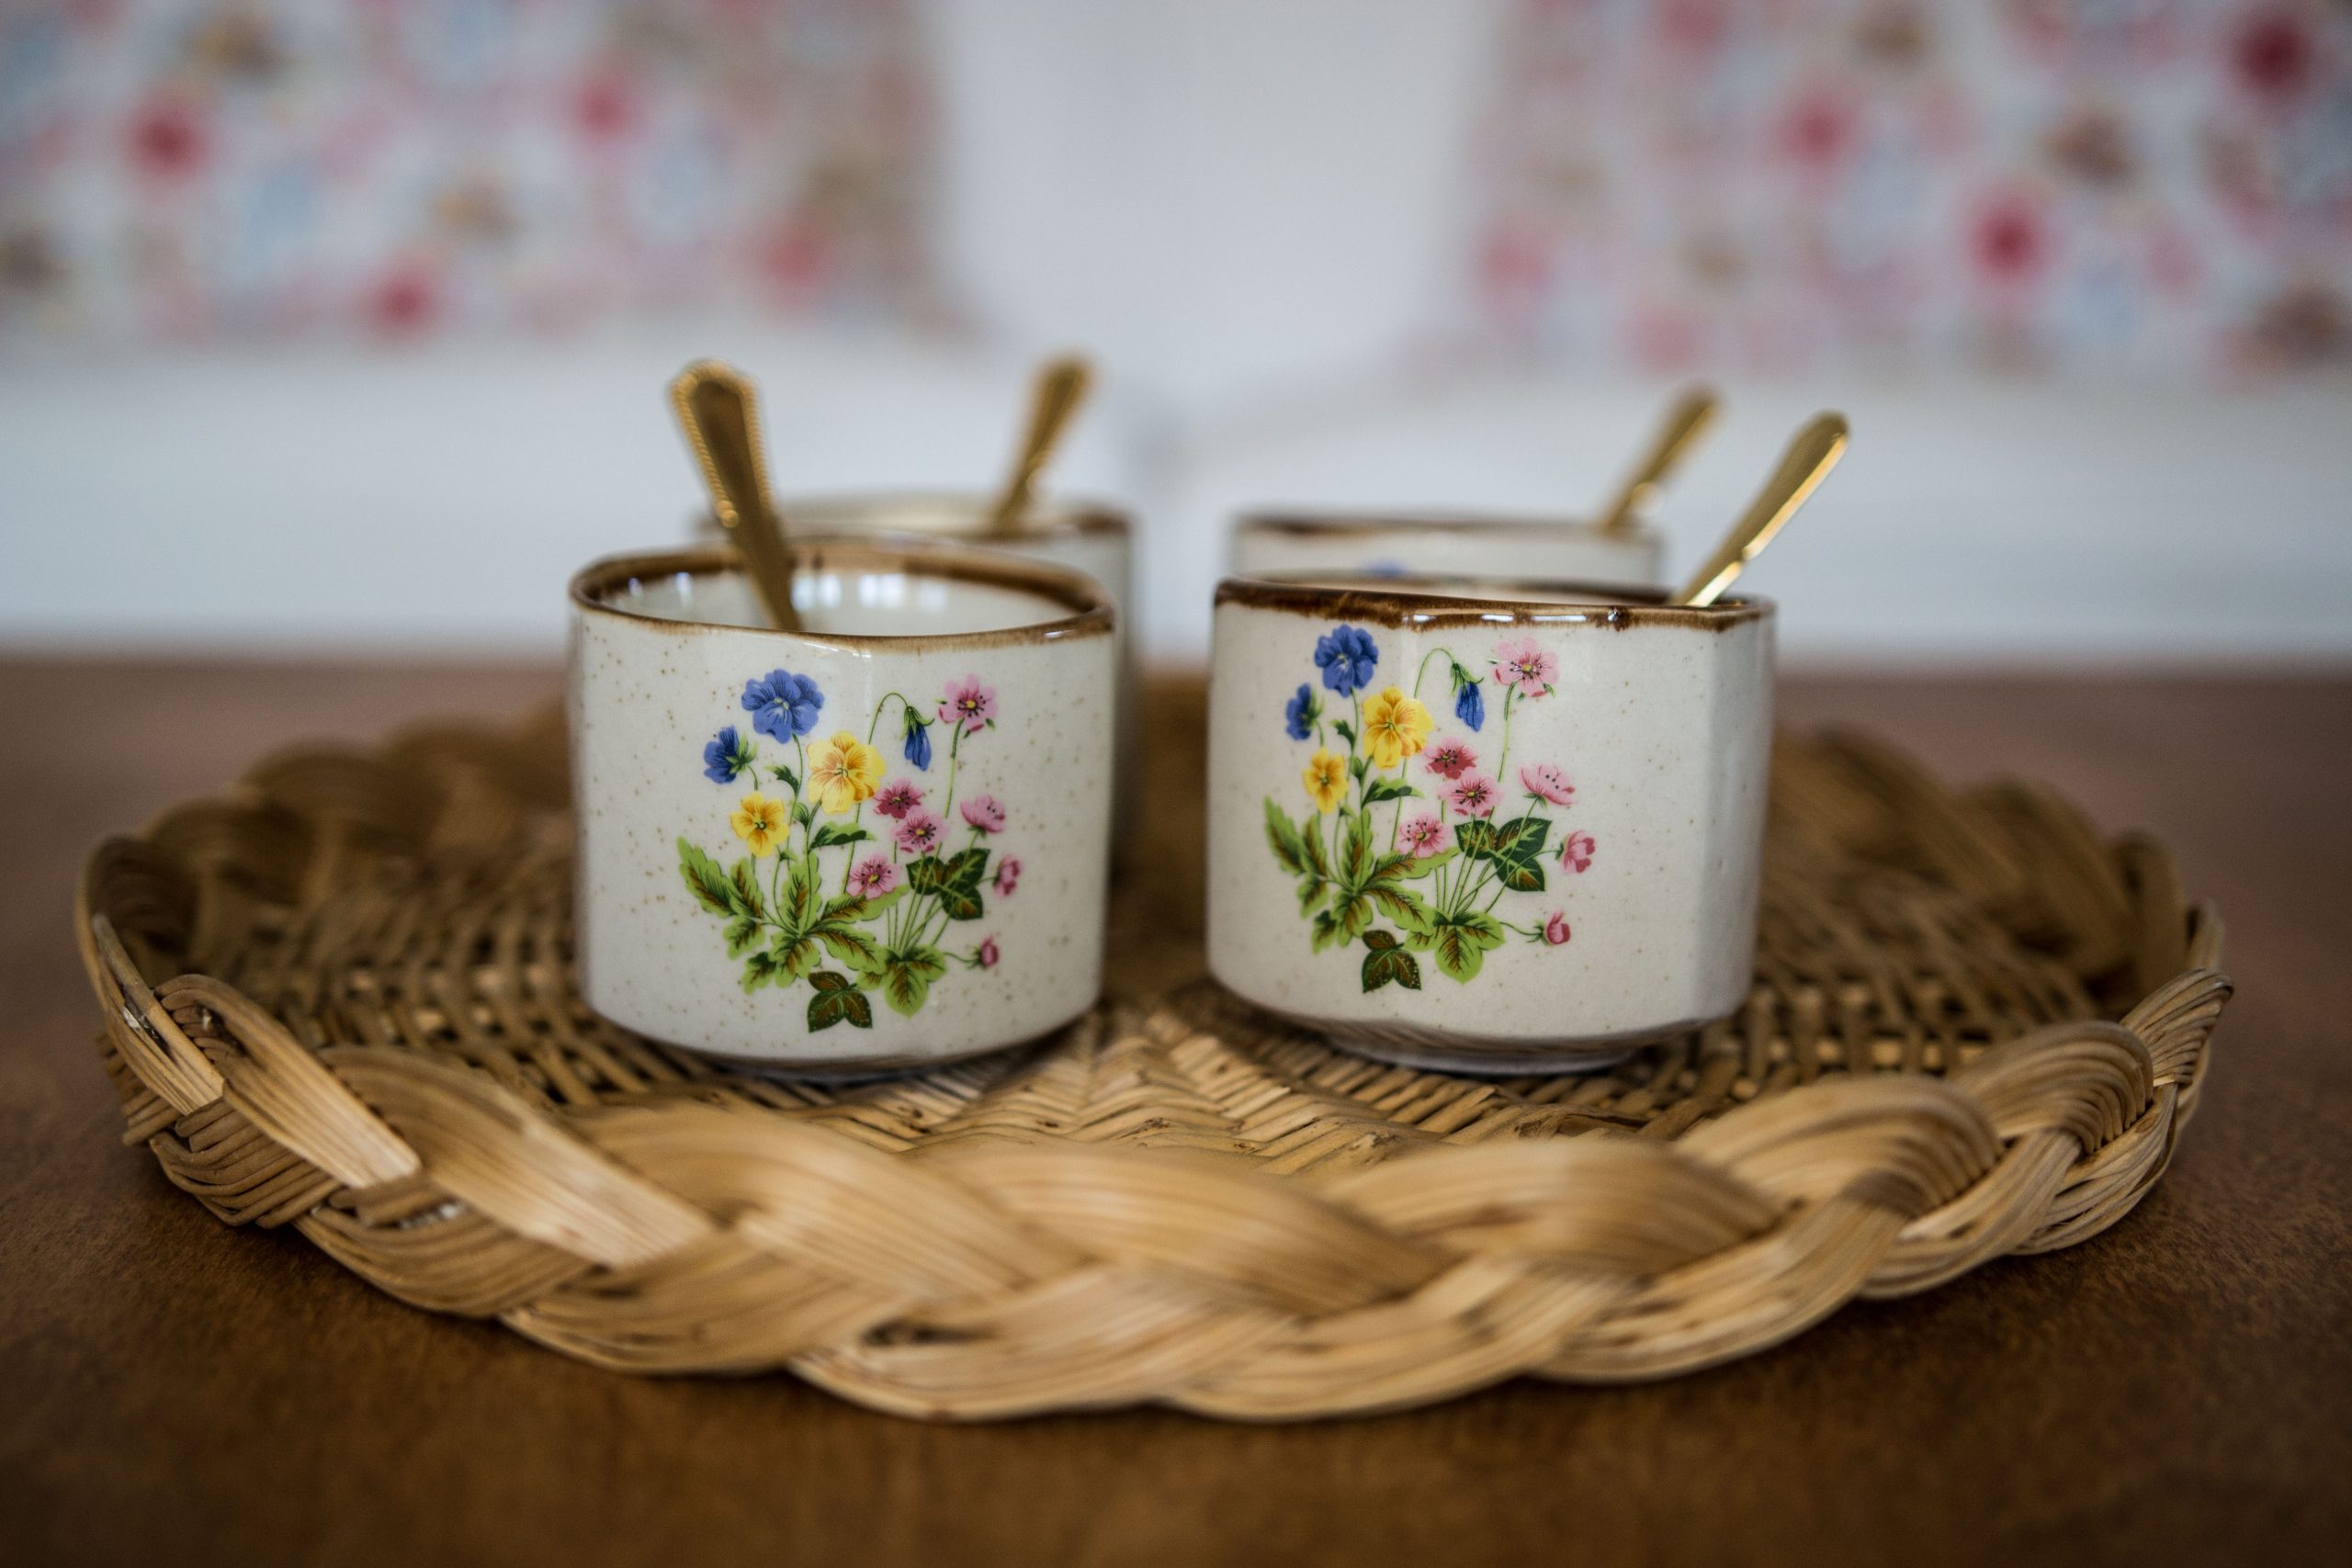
(1347, 658)
(726, 758)
(782, 704)
(1300, 717)
(917, 748)
(1469, 698)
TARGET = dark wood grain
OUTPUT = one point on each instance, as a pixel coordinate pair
(2179, 1388)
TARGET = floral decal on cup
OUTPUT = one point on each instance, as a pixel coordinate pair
(881, 907)
(1410, 841)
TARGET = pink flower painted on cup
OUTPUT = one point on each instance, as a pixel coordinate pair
(1526, 665)
(897, 798)
(987, 953)
(1449, 758)
(968, 703)
(1426, 835)
(1576, 852)
(1555, 929)
(984, 812)
(920, 833)
(1546, 781)
(1008, 875)
(1473, 794)
(873, 876)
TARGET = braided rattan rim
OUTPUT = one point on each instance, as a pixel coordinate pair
(1050, 1233)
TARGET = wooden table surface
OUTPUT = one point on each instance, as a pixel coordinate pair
(2181, 1387)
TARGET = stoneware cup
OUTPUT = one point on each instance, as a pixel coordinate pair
(1400, 545)
(1086, 536)
(876, 844)
(1486, 827)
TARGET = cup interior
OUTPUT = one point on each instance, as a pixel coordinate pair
(948, 514)
(1473, 589)
(1330, 526)
(1503, 600)
(849, 590)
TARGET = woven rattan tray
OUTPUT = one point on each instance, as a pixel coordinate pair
(338, 998)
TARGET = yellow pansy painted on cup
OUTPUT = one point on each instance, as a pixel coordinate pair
(1395, 727)
(759, 821)
(842, 772)
(1327, 779)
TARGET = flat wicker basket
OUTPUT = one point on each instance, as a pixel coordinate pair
(339, 997)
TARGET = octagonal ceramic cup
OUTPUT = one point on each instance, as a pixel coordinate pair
(1486, 827)
(876, 844)
(1556, 549)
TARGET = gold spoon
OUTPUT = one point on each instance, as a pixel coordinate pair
(719, 412)
(1810, 457)
(1060, 387)
(1685, 422)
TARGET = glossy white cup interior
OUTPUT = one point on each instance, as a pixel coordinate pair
(864, 600)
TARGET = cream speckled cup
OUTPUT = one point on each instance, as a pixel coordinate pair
(1486, 827)
(1553, 549)
(878, 843)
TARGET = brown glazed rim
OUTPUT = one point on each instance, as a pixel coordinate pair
(1345, 524)
(1416, 600)
(872, 510)
(1088, 608)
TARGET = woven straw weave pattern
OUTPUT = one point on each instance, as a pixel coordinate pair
(339, 999)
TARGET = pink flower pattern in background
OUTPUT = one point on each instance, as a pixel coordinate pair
(183, 169)
(1768, 186)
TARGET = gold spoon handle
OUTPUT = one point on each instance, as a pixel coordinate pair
(1054, 398)
(1685, 422)
(719, 412)
(1806, 462)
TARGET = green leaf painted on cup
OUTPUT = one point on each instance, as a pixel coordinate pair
(1385, 963)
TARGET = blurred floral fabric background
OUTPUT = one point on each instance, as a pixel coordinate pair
(179, 169)
(1773, 185)
(1740, 186)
